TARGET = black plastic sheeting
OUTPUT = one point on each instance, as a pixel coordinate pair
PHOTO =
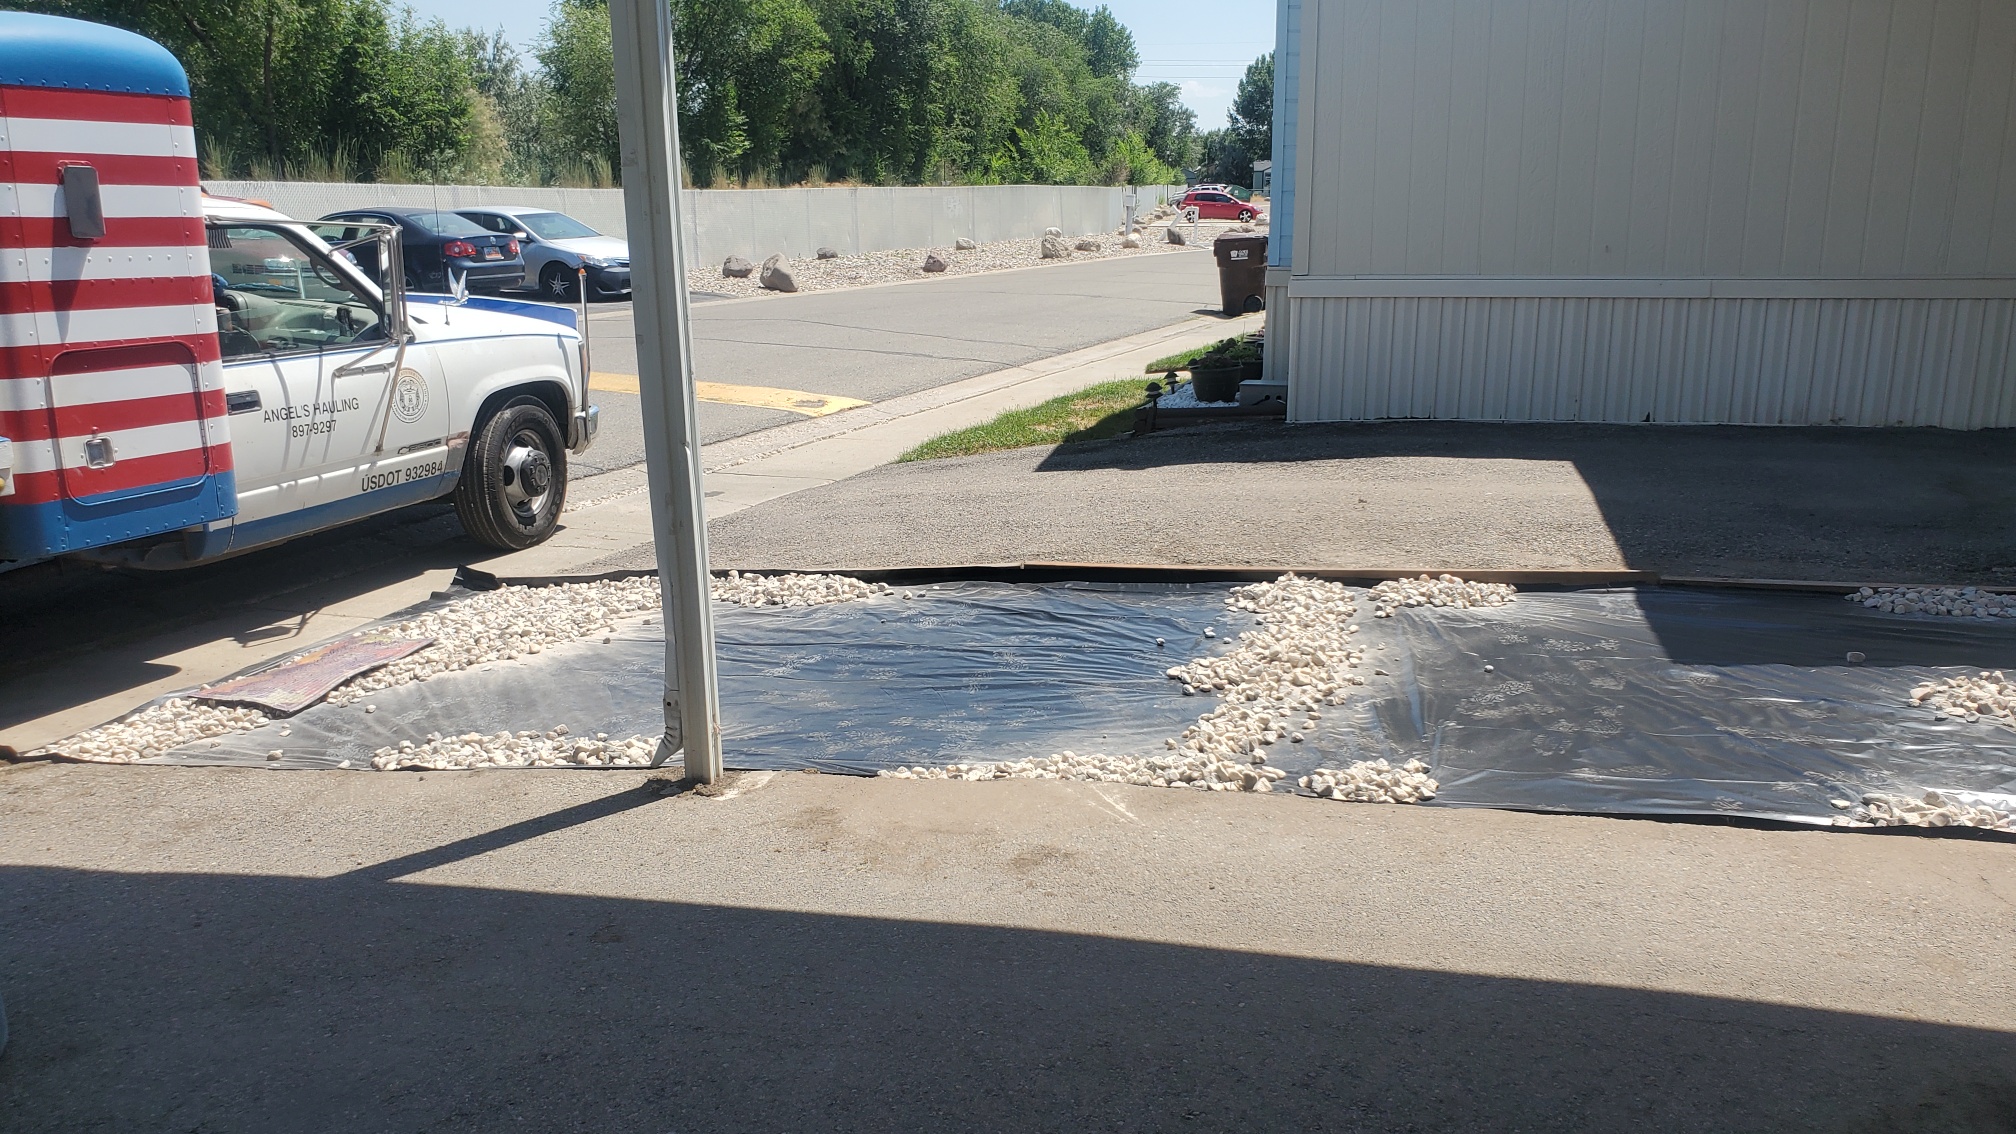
(959, 672)
(1622, 701)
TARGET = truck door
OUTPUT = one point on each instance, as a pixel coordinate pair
(330, 409)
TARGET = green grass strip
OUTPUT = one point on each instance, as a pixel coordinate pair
(1178, 361)
(1091, 414)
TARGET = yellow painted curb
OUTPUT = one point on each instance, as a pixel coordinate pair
(725, 393)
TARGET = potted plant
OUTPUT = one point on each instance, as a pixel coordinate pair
(1215, 376)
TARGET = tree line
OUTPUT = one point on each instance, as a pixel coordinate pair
(771, 92)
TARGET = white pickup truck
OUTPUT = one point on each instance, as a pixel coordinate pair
(185, 377)
(346, 398)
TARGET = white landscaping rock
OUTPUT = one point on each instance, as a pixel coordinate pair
(490, 626)
(1953, 602)
(965, 244)
(1933, 809)
(1142, 771)
(1271, 687)
(793, 590)
(551, 749)
(1373, 781)
(1990, 696)
(1443, 590)
(153, 731)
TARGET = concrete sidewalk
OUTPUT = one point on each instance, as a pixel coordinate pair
(247, 951)
(607, 521)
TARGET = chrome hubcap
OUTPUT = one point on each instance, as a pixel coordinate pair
(528, 477)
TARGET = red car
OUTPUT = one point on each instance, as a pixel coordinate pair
(1216, 204)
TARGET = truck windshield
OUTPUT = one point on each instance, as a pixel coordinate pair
(274, 294)
(555, 226)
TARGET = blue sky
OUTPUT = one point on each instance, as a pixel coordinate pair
(1203, 45)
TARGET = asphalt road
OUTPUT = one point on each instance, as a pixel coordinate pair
(875, 343)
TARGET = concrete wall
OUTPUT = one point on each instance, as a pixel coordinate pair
(1743, 211)
(756, 223)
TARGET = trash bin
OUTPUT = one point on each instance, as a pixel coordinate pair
(1242, 271)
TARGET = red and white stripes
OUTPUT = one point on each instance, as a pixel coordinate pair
(110, 379)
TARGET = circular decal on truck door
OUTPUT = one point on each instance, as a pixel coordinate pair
(409, 397)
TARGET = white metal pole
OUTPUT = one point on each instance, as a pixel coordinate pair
(646, 116)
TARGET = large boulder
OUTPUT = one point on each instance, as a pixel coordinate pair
(827, 254)
(1176, 235)
(935, 263)
(1087, 246)
(776, 277)
(965, 244)
(736, 268)
(1054, 248)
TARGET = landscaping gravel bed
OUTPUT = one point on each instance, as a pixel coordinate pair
(898, 264)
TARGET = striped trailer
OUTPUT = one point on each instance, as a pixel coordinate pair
(112, 402)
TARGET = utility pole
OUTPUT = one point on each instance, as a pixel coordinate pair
(647, 118)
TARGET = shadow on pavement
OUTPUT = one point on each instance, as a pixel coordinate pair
(1903, 495)
(57, 610)
(223, 1002)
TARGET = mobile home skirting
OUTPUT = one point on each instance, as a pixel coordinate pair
(1740, 361)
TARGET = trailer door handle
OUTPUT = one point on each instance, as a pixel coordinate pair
(241, 401)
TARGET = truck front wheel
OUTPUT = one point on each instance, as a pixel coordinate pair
(514, 481)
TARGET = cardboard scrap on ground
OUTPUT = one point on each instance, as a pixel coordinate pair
(299, 682)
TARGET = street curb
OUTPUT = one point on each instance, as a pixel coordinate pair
(724, 455)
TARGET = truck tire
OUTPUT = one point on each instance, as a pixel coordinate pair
(558, 284)
(514, 480)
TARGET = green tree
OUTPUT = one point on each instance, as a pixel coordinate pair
(1137, 164)
(577, 113)
(1222, 157)
(1049, 152)
(745, 67)
(1156, 112)
(1253, 110)
(280, 83)
(1108, 45)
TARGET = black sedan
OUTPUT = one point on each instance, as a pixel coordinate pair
(437, 241)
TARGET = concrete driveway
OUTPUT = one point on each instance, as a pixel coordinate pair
(267, 952)
(1847, 505)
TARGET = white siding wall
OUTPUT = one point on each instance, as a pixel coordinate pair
(1661, 193)
(1708, 361)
